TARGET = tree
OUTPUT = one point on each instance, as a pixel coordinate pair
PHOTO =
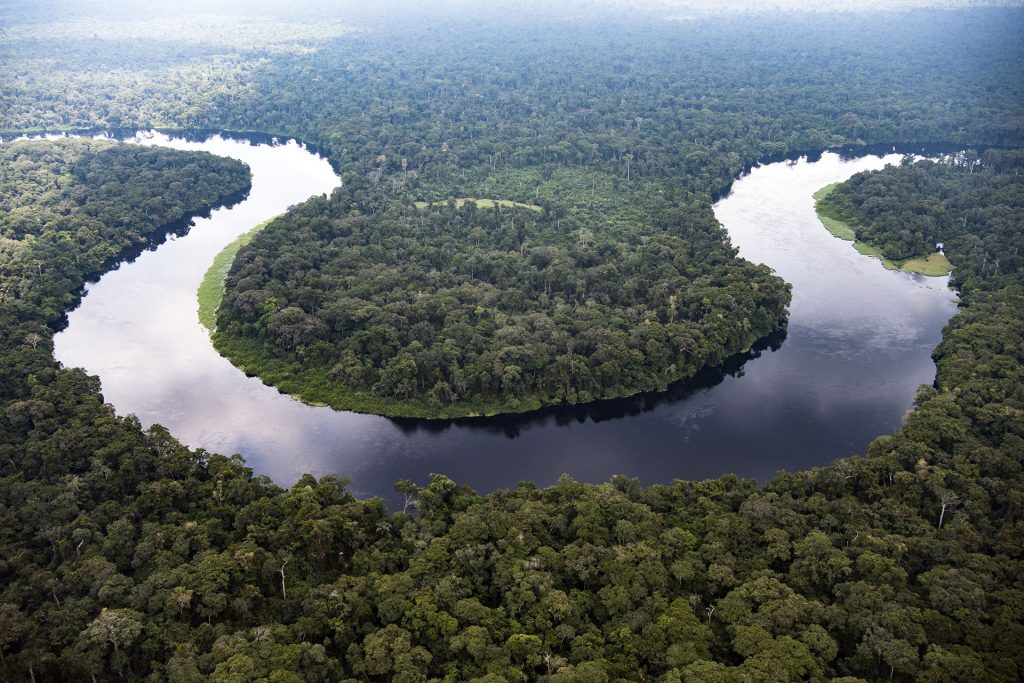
(409, 491)
(109, 634)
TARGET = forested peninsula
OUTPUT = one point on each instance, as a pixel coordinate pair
(903, 225)
(447, 311)
(126, 555)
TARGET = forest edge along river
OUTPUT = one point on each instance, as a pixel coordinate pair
(857, 348)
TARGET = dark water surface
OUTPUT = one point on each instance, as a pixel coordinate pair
(857, 348)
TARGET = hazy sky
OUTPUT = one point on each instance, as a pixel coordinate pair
(363, 7)
(230, 22)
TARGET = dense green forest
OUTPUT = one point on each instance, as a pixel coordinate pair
(465, 103)
(69, 210)
(124, 554)
(936, 214)
(446, 311)
(625, 283)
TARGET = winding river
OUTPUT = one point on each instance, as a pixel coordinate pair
(857, 348)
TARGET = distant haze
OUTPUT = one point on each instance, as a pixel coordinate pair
(399, 10)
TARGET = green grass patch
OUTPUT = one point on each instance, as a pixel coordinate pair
(482, 203)
(838, 228)
(932, 265)
(211, 289)
(871, 250)
(824, 210)
(825, 191)
(597, 198)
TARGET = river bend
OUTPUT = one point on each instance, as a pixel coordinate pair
(857, 348)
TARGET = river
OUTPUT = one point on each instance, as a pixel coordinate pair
(857, 348)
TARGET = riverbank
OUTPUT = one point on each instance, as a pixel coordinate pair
(211, 289)
(317, 387)
(155, 362)
(932, 265)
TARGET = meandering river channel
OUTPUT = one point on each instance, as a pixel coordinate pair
(857, 348)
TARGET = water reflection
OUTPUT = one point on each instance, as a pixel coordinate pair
(512, 426)
(858, 346)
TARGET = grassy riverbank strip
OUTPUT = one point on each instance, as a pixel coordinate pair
(211, 289)
(932, 265)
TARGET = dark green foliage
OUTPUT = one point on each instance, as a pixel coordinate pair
(447, 311)
(699, 100)
(125, 555)
(623, 284)
(68, 209)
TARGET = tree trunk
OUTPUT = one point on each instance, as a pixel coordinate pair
(284, 592)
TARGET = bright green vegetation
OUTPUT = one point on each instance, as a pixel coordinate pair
(934, 264)
(125, 555)
(482, 203)
(211, 289)
(836, 227)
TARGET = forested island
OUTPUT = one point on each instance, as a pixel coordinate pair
(125, 554)
(624, 283)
